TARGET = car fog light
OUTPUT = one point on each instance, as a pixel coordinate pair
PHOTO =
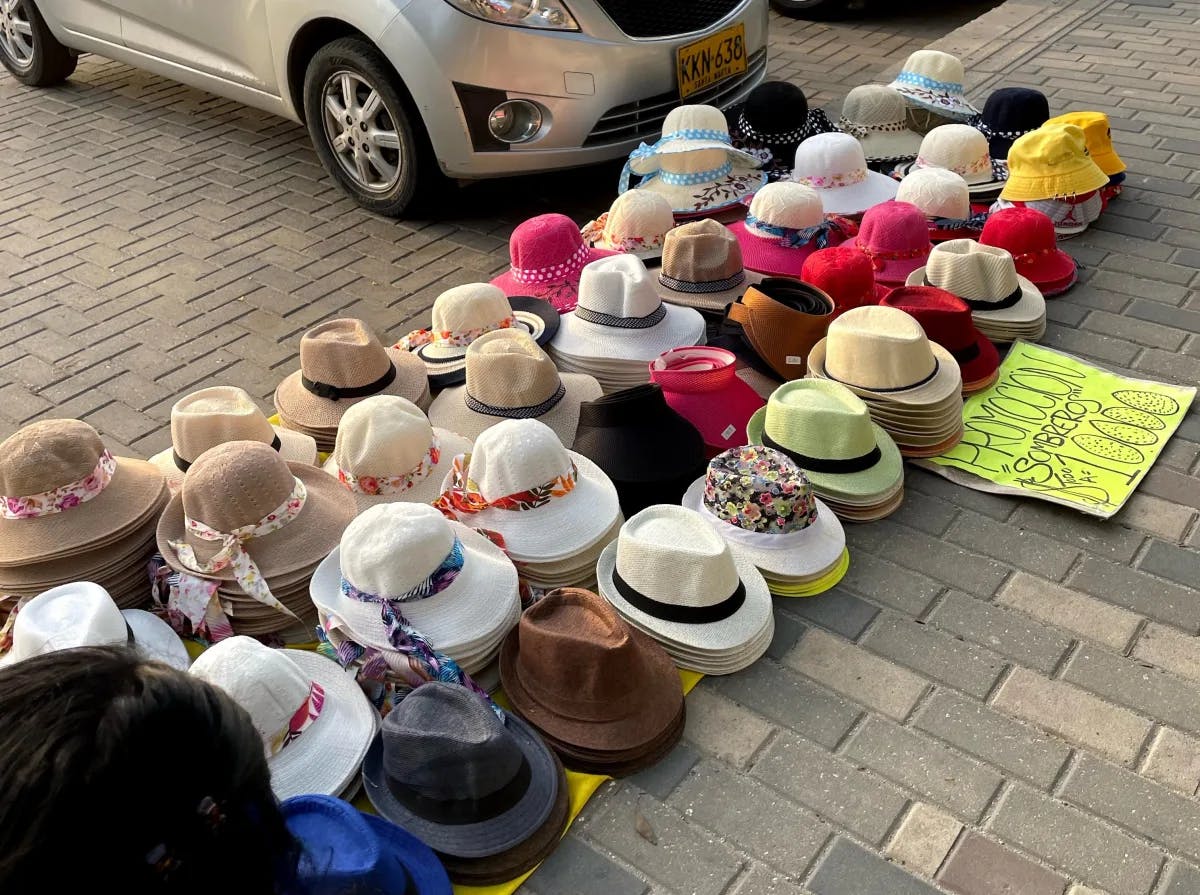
(515, 121)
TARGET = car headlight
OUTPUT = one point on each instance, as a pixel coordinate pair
(550, 14)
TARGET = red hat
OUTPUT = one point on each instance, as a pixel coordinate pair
(845, 275)
(548, 254)
(946, 320)
(1028, 235)
(701, 384)
(895, 237)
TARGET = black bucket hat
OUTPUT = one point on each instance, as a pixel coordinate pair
(776, 117)
(1009, 113)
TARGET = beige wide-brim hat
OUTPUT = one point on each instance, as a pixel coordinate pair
(295, 447)
(296, 404)
(425, 490)
(450, 411)
(1029, 309)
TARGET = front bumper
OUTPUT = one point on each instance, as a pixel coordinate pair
(602, 92)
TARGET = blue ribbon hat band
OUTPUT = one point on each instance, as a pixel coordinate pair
(916, 80)
(645, 151)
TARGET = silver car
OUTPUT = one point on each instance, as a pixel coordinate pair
(397, 93)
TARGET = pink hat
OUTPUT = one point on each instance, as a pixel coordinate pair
(785, 225)
(700, 383)
(846, 276)
(547, 255)
(895, 237)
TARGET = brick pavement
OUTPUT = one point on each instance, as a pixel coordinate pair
(1000, 698)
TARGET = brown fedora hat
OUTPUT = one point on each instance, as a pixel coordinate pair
(342, 362)
(62, 492)
(576, 671)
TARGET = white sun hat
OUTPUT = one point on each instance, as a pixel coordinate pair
(316, 724)
(671, 575)
(637, 223)
(964, 150)
(876, 116)
(547, 503)
(447, 580)
(933, 80)
(986, 278)
(621, 315)
(83, 614)
(834, 165)
(386, 450)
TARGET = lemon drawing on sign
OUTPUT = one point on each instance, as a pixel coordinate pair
(1107, 448)
(1161, 405)
(1134, 417)
(1125, 434)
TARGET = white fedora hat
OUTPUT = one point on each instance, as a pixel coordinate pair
(83, 614)
(637, 223)
(448, 581)
(222, 413)
(670, 574)
(547, 503)
(386, 450)
(986, 278)
(315, 721)
(964, 150)
(835, 166)
(933, 80)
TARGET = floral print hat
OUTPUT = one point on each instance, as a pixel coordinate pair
(933, 80)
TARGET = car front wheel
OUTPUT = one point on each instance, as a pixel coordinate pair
(28, 49)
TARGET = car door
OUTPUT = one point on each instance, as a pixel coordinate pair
(95, 19)
(226, 39)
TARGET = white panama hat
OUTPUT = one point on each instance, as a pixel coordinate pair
(986, 278)
(964, 150)
(834, 165)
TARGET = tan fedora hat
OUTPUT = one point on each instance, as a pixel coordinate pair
(341, 362)
(510, 377)
(213, 416)
(62, 492)
(702, 267)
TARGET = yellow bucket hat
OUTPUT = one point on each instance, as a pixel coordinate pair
(1098, 135)
(1052, 162)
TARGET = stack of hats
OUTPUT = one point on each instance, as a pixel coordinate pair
(554, 509)
(846, 275)
(671, 576)
(315, 723)
(895, 238)
(947, 321)
(463, 314)
(1028, 235)
(510, 378)
(1004, 305)
(1098, 135)
(1009, 114)
(621, 323)
(605, 696)
(479, 788)
(780, 319)
(648, 451)
(964, 150)
(1051, 171)
(701, 385)
(342, 362)
(702, 267)
(637, 223)
(834, 165)
(773, 121)
(71, 511)
(694, 164)
(785, 225)
(761, 503)
(913, 386)
(874, 114)
(852, 463)
(387, 451)
(931, 80)
(945, 200)
(219, 414)
(258, 527)
(404, 566)
(547, 254)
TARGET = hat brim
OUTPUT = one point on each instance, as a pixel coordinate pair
(579, 338)
(428, 489)
(562, 294)
(893, 271)
(450, 411)
(295, 447)
(482, 839)
(1109, 162)
(950, 105)
(1052, 269)
(1024, 188)
(974, 187)
(890, 146)
(946, 381)
(1030, 308)
(811, 551)
(858, 197)
(767, 257)
(154, 639)
(745, 179)
(652, 163)
(707, 302)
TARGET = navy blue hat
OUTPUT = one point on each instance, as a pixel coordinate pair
(1009, 113)
(344, 850)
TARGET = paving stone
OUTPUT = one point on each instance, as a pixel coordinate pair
(1138, 591)
(1163, 518)
(1009, 542)
(663, 776)
(924, 838)
(1174, 760)
(1171, 562)
(933, 557)
(578, 869)
(723, 729)
(836, 610)
(1180, 879)
(942, 657)
(1001, 630)
(1070, 610)
(1169, 649)
(849, 869)
(788, 630)
(1148, 690)
(887, 584)
(1099, 536)
(980, 866)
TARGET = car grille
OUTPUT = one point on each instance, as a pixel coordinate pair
(644, 118)
(666, 18)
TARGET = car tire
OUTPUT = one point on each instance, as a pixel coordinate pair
(812, 9)
(376, 148)
(27, 48)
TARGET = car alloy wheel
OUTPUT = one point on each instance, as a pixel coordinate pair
(16, 33)
(361, 132)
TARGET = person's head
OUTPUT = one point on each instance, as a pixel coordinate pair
(126, 775)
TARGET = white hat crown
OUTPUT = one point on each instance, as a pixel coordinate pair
(213, 416)
(935, 66)
(786, 204)
(694, 117)
(517, 455)
(470, 307)
(672, 555)
(619, 286)
(938, 192)
(72, 615)
(642, 214)
(878, 348)
(824, 161)
(872, 105)
(391, 548)
(384, 435)
(972, 271)
(959, 148)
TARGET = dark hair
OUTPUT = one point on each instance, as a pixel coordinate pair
(122, 774)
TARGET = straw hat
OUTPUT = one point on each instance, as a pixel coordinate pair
(446, 580)
(547, 254)
(785, 225)
(776, 118)
(844, 274)
(461, 315)
(964, 150)
(547, 503)
(83, 614)
(946, 320)
(834, 165)
(694, 165)
(945, 200)
(509, 377)
(213, 416)
(342, 362)
(986, 278)
(314, 721)
(702, 267)
(1028, 235)
(1051, 163)
(1097, 134)
(1010, 113)
(874, 114)
(933, 80)
(894, 237)
(781, 319)
(637, 223)
(387, 451)
(62, 492)
(700, 383)
(620, 313)
(670, 575)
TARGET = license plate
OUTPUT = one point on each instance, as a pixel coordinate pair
(715, 58)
